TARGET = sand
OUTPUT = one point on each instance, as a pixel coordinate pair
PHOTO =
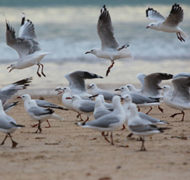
(66, 151)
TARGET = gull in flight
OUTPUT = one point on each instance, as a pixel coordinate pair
(8, 125)
(8, 91)
(26, 46)
(142, 126)
(169, 24)
(179, 96)
(38, 113)
(77, 82)
(108, 122)
(110, 48)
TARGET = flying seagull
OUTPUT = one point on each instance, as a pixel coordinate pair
(169, 24)
(110, 48)
(26, 46)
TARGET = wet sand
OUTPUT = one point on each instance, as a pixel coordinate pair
(66, 151)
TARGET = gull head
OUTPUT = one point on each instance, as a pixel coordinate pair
(11, 67)
(116, 100)
(93, 51)
(166, 88)
(92, 86)
(152, 26)
(127, 98)
(25, 97)
(122, 89)
(131, 87)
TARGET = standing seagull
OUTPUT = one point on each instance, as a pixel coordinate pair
(38, 113)
(8, 125)
(108, 122)
(141, 126)
(26, 46)
(169, 24)
(110, 48)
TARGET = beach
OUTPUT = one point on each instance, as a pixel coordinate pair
(66, 151)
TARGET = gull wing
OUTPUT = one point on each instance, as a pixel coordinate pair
(154, 15)
(77, 80)
(175, 16)
(105, 30)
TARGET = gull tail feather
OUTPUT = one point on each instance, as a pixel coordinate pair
(55, 116)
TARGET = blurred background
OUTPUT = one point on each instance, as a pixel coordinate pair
(67, 29)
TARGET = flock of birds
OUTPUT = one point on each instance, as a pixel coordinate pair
(111, 109)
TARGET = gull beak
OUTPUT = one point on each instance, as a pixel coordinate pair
(147, 27)
(68, 98)
(87, 52)
(88, 87)
(18, 97)
(117, 89)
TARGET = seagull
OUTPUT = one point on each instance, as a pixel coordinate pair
(110, 48)
(141, 126)
(108, 122)
(77, 82)
(8, 125)
(38, 113)
(139, 99)
(46, 104)
(100, 108)
(82, 105)
(26, 46)
(169, 24)
(8, 91)
(179, 96)
(126, 105)
(94, 90)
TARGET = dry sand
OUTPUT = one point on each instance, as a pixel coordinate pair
(66, 151)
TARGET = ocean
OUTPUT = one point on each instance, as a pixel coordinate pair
(67, 29)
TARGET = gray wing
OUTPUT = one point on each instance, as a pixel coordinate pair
(87, 106)
(46, 104)
(27, 29)
(39, 111)
(104, 121)
(105, 30)
(9, 106)
(139, 99)
(107, 95)
(152, 81)
(183, 74)
(140, 128)
(154, 15)
(23, 46)
(8, 91)
(100, 113)
(175, 16)
(181, 87)
(76, 80)
(151, 119)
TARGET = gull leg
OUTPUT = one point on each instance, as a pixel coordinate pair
(111, 137)
(183, 115)
(42, 70)
(149, 110)
(86, 119)
(34, 125)
(14, 143)
(49, 125)
(109, 68)
(79, 116)
(129, 135)
(38, 70)
(142, 146)
(138, 109)
(39, 127)
(161, 109)
(123, 128)
(103, 134)
(4, 139)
